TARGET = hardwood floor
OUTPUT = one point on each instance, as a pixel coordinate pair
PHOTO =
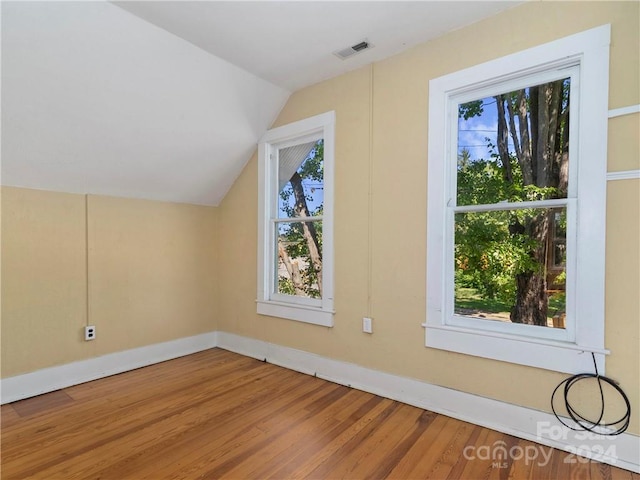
(216, 414)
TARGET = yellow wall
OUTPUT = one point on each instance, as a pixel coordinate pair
(149, 275)
(380, 213)
(43, 280)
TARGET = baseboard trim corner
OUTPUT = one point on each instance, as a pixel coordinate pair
(54, 378)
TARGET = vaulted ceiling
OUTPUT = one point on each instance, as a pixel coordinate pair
(166, 100)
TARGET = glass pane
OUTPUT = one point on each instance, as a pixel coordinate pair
(504, 266)
(559, 235)
(301, 180)
(559, 253)
(299, 259)
(514, 146)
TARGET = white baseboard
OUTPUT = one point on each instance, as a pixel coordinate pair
(55, 378)
(622, 451)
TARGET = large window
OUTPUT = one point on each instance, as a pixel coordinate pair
(296, 221)
(517, 175)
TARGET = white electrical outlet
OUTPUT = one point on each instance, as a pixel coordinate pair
(89, 332)
(367, 325)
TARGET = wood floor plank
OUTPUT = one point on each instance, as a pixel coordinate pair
(8, 417)
(154, 442)
(420, 456)
(299, 443)
(476, 464)
(216, 414)
(119, 423)
(217, 438)
(390, 437)
(41, 403)
(437, 452)
(310, 459)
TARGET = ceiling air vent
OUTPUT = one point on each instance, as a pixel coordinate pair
(352, 50)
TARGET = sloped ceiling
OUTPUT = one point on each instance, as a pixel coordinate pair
(166, 100)
(96, 100)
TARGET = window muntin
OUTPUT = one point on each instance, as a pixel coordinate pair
(295, 254)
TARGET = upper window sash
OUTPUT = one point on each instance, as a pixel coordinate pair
(566, 68)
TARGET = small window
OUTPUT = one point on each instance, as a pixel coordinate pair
(296, 221)
(517, 175)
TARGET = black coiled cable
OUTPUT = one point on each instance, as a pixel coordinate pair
(619, 426)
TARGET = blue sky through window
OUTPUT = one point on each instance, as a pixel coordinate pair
(476, 133)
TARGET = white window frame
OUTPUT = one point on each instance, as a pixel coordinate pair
(562, 350)
(269, 302)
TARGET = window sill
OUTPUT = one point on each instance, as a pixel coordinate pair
(533, 352)
(300, 313)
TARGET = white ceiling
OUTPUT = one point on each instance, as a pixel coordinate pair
(290, 44)
(168, 103)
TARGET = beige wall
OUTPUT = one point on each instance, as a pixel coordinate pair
(43, 280)
(149, 275)
(380, 216)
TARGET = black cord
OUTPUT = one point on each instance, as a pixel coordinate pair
(619, 426)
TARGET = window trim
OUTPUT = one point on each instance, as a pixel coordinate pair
(590, 50)
(314, 311)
